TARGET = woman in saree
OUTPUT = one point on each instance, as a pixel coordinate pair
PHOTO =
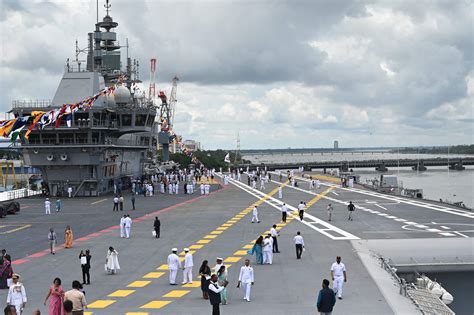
(68, 236)
(6, 272)
(257, 249)
(56, 298)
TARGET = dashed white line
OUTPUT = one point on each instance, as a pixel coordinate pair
(445, 227)
(381, 207)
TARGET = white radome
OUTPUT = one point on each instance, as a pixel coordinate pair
(122, 95)
(110, 100)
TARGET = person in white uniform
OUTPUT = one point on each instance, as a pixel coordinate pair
(219, 264)
(255, 215)
(268, 250)
(262, 183)
(69, 191)
(47, 206)
(188, 267)
(339, 276)
(207, 188)
(128, 225)
(280, 192)
(246, 279)
(202, 188)
(173, 265)
(17, 295)
(122, 226)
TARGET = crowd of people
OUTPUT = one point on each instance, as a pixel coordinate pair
(214, 281)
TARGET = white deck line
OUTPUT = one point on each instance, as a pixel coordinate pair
(417, 203)
(328, 227)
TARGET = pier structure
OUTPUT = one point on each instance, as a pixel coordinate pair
(379, 165)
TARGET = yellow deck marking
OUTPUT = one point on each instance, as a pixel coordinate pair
(319, 196)
(87, 313)
(163, 267)
(17, 229)
(232, 259)
(210, 236)
(248, 246)
(196, 246)
(183, 253)
(216, 232)
(232, 221)
(138, 284)
(153, 275)
(241, 252)
(222, 228)
(121, 293)
(99, 201)
(227, 224)
(155, 304)
(136, 313)
(203, 241)
(101, 303)
(194, 284)
(176, 293)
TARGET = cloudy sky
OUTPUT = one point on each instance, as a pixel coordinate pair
(279, 73)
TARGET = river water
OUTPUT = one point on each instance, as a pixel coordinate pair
(437, 182)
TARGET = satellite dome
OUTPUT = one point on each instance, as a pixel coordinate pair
(110, 100)
(122, 95)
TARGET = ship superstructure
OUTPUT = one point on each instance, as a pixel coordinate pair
(99, 148)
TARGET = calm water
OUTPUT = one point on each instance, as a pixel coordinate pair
(436, 182)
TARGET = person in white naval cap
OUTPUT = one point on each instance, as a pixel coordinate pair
(188, 267)
(173, 265)
(246, 279)
(17, 294)
(219, 263)
(339, 276)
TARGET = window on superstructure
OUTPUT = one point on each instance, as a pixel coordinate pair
(34, 139)
(126, 120)
(66, 138)
(150, 120)
(140, 120)
(49, 138)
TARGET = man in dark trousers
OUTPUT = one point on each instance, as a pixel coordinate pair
(86, 278)
(326, 299)
(156, 226)
(133, 200)
(351, 209)
(215, 294)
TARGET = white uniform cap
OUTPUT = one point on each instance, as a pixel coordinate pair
(186, 249)
(218, 258)
(174, 249)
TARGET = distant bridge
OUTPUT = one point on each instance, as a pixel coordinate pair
(380, 165)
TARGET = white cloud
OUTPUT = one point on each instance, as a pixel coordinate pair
(282, 75)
